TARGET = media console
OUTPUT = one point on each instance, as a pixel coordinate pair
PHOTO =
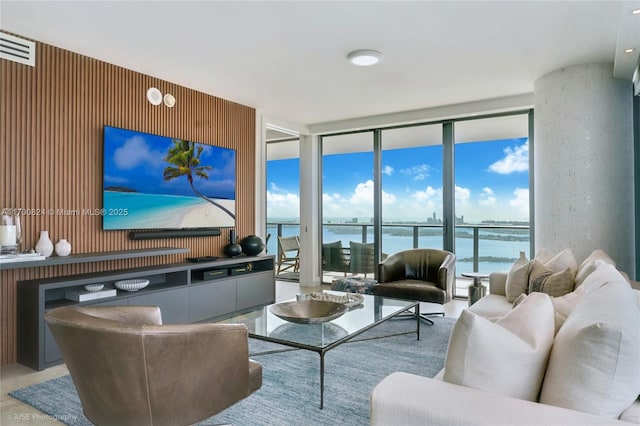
(185, 292)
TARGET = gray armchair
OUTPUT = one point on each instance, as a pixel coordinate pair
(129, 369)
(426, 275)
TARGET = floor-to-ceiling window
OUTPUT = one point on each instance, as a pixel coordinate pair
(491, 193)
(283, 199)
(412, 209)
(462, 185)
(347, 205)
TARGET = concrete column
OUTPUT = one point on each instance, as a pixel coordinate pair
(583, 163)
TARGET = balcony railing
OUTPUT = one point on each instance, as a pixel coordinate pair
(479, 247)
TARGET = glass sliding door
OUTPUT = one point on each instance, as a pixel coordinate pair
(347, 206)
(283, 200)
(491, 194)
(412, 209)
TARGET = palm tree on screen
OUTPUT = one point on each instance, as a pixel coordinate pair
(185, 156)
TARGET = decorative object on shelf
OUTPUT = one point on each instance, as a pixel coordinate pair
(349, 299)
(63, 247)
(10, 234)
(131, 285)
(44, 246)
(94, 287)
(232, 249)
(252, 245)
(308, 311)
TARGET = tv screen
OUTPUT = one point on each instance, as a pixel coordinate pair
(157, 182)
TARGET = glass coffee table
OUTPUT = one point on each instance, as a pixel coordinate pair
(322, 337)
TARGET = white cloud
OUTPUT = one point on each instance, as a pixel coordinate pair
(462, 194)
(363, 195)
(420, 172)
(516, 159)
(136, 152)
(282, 204)
(520, 202)
(387, 170)
(487, 197)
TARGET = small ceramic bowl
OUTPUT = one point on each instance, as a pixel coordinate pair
(94, 287)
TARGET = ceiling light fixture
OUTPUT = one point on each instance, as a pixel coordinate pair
(635, 12)
(364, 58)
(630, 50)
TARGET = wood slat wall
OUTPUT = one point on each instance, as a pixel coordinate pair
(52, 118)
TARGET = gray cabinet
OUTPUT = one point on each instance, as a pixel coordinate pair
(174, 304)
(185, 292)
(212, 299)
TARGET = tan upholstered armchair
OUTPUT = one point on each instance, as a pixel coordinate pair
(129, 369)
(427, 275)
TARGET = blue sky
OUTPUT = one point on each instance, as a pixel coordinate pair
(491, 183)
(136, 160)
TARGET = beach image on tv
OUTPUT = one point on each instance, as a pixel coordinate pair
(156, 182)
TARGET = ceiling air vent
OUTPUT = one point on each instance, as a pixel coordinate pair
(16, 49)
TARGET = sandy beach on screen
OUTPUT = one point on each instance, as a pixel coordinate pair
(214, 216)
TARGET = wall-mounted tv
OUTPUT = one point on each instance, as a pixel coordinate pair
(157, 182)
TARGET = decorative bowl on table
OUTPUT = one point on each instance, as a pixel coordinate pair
(348, 299)
(131, 285)
(94, 287)
(308, 311)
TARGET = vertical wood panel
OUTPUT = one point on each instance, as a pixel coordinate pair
(52, 118)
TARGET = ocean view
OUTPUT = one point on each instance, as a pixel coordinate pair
(497, 248)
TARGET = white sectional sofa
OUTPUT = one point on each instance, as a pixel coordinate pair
(568, 359)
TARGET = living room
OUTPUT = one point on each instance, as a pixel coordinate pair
(55, 113)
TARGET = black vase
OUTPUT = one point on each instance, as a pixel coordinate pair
(252, 245)
(233, 248)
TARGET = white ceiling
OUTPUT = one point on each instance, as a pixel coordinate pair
(288, 59)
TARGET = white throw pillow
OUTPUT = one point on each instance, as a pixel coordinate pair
(507, 357)
(562, 261)
(594, 366)
(590, 264)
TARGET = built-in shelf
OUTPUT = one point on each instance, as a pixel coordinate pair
(94, 257)
(185, 292)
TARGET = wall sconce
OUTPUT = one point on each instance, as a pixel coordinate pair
(154, 96)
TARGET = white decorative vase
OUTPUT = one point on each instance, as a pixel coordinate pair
(44, 246)
(63, 247)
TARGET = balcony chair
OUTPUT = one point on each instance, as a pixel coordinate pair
(287, 261)
(129, 369)
(335, 258)
(425, 275)
(361, 260)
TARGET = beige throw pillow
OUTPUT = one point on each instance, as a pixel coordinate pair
(517, 278)
(545, 280)
(507, 357)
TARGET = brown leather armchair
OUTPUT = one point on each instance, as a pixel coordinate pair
(427, 275)
(129, 369)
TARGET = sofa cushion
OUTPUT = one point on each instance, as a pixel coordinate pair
(545, 280)
(593, 366)
(492, 306)
(590, 264)
(506, 357)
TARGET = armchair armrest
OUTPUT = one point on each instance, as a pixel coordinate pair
(391, 269)
(447, 274)
(407, 399)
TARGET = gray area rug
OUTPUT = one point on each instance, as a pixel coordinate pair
(290, 393)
